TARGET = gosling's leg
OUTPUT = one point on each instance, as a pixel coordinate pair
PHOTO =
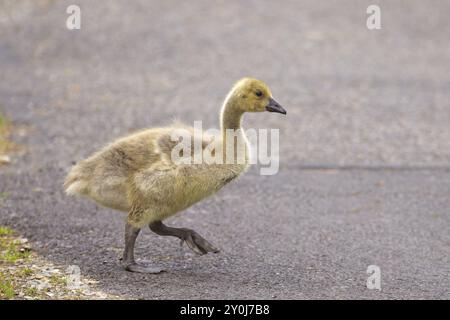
(128, 261)
(194, 241)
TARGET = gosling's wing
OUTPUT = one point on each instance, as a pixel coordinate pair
(179, 139)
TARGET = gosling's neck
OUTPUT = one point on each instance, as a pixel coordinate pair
(231, 119)
(231, 115)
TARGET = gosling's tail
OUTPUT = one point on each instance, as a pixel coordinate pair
(76, 182)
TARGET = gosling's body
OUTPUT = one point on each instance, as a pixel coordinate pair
(137, 174)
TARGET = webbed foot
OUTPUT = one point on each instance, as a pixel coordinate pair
(194, 241)
(197, 243)
(143, 268)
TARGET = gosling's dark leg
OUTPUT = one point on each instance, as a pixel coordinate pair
(194, 241)
(128, 261)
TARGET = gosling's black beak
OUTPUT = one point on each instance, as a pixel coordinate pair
(275, 107)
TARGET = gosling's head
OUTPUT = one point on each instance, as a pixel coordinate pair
(253, 95)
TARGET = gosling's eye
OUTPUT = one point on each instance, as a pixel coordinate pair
(258, 93)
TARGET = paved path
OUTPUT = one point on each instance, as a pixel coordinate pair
(365, 148)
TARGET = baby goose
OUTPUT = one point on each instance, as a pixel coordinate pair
(137, 174)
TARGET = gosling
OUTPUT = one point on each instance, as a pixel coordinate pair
(136, 174)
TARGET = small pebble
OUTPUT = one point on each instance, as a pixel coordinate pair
(5, 160)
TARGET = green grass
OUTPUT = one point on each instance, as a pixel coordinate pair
(6, 288)
(31, 292)
(12, 253)
(6, 146)
(16, 259)
(26, 272)
(3, 123)
(5, 231)
(2, 120)
(10, 249)
(58, 280)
